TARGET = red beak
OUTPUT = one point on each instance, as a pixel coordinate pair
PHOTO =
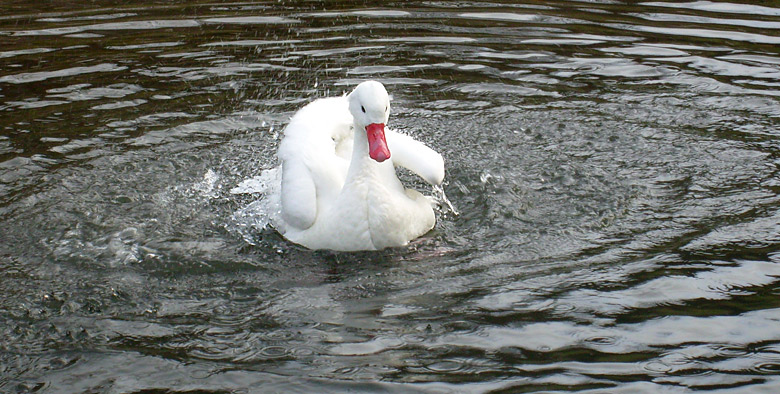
(377, 145)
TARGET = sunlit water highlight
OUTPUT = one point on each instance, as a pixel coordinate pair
(610, 224)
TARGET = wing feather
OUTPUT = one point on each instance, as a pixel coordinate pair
(299, 195)
(409, 153)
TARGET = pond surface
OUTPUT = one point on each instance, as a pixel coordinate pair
(615, 166)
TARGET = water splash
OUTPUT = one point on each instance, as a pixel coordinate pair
(441, 198)
(208, 187)
(263, 212)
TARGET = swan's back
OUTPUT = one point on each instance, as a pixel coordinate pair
(317, 128)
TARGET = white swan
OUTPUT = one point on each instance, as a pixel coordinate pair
(339, 189)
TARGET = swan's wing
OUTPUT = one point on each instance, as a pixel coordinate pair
(409, 153)
(313, 141)
(299, 195)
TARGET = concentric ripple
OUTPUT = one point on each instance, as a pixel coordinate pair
(613, 172)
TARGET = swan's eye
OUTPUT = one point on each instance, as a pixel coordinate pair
(363, 108)
(386, 109)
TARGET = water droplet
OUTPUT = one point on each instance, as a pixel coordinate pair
(441, 198)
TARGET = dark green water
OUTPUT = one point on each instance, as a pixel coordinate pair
(615, 165)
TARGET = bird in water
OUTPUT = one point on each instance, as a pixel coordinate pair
(339, 188)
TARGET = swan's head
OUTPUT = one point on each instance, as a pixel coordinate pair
(369, 104)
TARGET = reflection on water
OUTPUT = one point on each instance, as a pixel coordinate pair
(614, 168)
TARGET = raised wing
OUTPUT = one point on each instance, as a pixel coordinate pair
(409, 153)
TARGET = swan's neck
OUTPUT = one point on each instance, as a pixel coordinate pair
(361, 164)
(360, 142)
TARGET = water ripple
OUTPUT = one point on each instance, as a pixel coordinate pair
(703, 33)
(614, 165)
(723, 7)
(67, 72)
(133, 25)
